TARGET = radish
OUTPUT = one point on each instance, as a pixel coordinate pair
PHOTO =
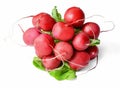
(30, 35)
(79, 60)
(63, 51)
(43, 21)
(92, 29)
(63, 46)
(74, 16)
(62, 32)
(43, 45)
(50, 62)
(81, 41)
(93, 51)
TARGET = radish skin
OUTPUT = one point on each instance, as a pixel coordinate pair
(43, 45)
(79, 60)
(43, 21)
(81, 41)
(63, 51)
(30, 35)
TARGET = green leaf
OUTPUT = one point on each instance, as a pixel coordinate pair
(94, 42)
(56, 15)
(63, 73)
(38, 63)
(56, 40)
(77, 30)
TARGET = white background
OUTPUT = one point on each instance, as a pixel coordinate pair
(16, 69)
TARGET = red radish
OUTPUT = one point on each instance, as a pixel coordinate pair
(92, 29)
(50, 62)
(44, 21)
(30, 35)
(74, 16)
(43, 45)
(79, 60)
(62, 32)
(63, 50)
(92, 51)
(81, 41)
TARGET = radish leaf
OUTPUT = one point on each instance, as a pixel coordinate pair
(38, 63)
(63, 73)
(56, 15)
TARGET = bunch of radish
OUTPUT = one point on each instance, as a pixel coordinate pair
(63, 41)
